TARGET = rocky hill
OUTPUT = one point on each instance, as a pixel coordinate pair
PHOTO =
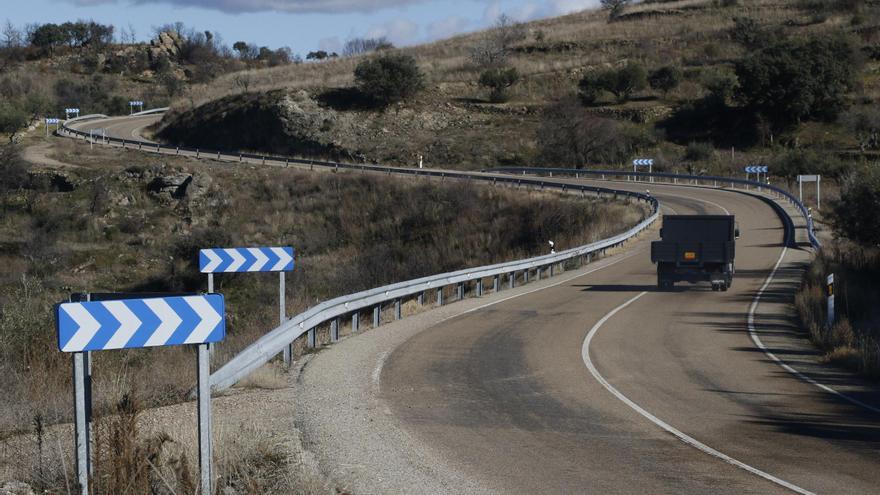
(313, 108)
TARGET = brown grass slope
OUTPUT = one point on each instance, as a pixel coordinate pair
(452, 124)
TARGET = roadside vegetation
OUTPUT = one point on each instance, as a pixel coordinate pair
(132, 223)
(853, 257)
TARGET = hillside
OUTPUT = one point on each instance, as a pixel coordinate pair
(314, 108)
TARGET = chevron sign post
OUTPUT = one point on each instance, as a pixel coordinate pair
(50, 121)
(235, 260)
(135, 103)
(644, 162)
(137, 323)
(255, 259)
(758, 170)
(133, 324)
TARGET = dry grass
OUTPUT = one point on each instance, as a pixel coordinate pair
(854, 339)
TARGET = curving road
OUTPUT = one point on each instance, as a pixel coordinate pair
(601, 384)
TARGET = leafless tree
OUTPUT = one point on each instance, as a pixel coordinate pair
(614, 7)
(242, 80)
(492, 49)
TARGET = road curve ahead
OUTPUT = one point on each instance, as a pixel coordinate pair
(507, 396)
(601, 384)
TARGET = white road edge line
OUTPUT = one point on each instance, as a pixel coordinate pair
(757, 340)
(585, 354)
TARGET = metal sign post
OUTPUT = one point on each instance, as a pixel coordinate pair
(644, 162)
(831, 315)
(133, 324)
(50, 121)
(237, 260)
(810, 178)
(135, 103)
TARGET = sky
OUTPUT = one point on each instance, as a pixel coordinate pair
(303, 25)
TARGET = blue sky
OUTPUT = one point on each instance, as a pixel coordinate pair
(303, 25)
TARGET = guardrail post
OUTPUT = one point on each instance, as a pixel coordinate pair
(140, 146)
(421, 298)
(355, 322)
(440, 296)
(334, 330)
(480, 288)
(310, 338)
(526, 276)
(177, 150)
(551, 269)
(198, 153)
(239, 158)
(512, 279)
(286, 162)
(496, 283)
(397, 309)
(264, 160)
(158, 148)
(460, 291)
(123, 143)
(377, 313)
(218, 155)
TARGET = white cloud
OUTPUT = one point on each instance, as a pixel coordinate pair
(398, 31)
(330, 45)
(290, 6)
(450, 26)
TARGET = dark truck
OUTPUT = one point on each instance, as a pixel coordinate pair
(694, 248)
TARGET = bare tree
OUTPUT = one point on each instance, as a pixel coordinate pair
(12, 36)
(242, 80)
(614, 7)
(492, 49)
(358, 46)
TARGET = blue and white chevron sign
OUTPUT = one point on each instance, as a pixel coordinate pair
(135, 103)
(50, 120)
(272, 259)
(137, 323)
(71, 110)
(757, 169)
(643, 162)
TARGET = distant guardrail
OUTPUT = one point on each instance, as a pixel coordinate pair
(330, 312)
(535, 171)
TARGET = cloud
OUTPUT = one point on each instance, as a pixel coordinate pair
(450, 26)
(330, 45)
(289, 6)
(398, 31)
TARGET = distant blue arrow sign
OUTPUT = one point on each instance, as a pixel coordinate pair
(52, 120)
(757, 169)
(138, 323)
(233, 260)
(71, 110)
(643, 162)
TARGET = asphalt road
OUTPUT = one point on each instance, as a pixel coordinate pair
(603, 384)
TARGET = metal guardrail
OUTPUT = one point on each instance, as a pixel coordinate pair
(274, 342)
(814, 241)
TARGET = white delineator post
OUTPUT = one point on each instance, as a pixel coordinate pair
(831, 315)
(282, 316)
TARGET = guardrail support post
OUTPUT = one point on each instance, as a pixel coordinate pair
(460, 291)
(512, 279)
(310, 338)
(397, 309)
(123, 143)
(377, 312)
(480, 288)
(526, 276)
(439, 296)
(239, 158)
(551, 269)
(218, 155)
(496, 283)
(264, 160)
(421, 298)
(355, 322)
(140, 145)
(334, 330)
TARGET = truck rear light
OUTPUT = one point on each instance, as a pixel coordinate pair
(690, 255)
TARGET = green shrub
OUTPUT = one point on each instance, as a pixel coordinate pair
(499, 81)
(748, 33)
(665, 79)
(854, 214)
(12, 118)
(622, 83)
(791, 81)
(720, 84)
(614, 7)
(699, 152)
(389, 78)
